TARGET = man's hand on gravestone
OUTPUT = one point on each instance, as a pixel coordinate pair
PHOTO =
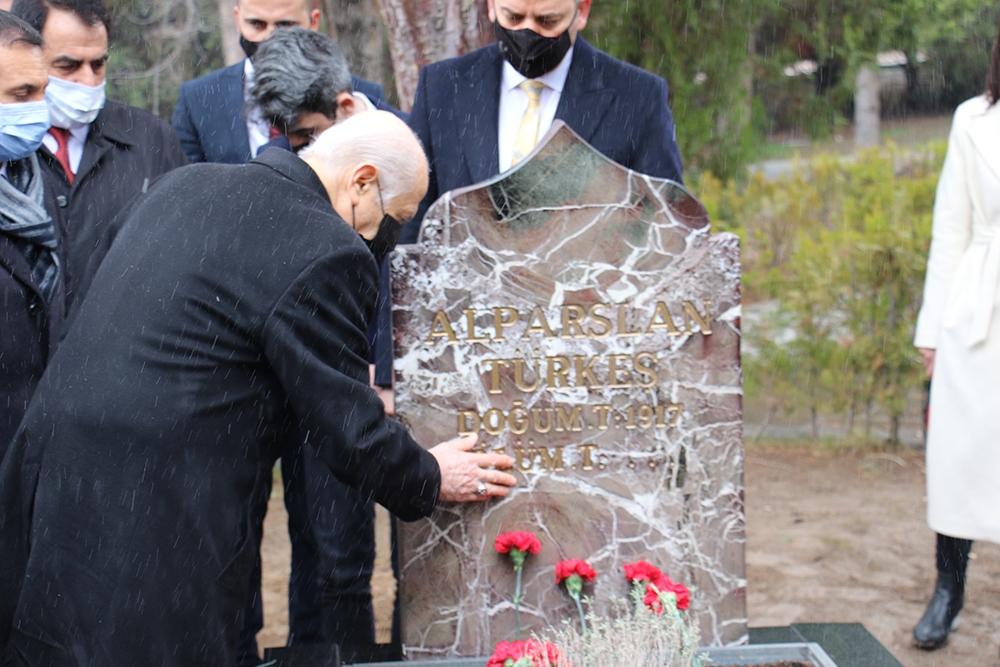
(463, 472)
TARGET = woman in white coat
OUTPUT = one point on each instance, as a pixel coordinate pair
(958, 334)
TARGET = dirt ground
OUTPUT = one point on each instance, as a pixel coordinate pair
(831, 537)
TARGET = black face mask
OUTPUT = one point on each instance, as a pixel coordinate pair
(528, 52)
(249, 48)
(387, 235)
(385, 239)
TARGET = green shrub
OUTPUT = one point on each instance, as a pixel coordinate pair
(840, 245)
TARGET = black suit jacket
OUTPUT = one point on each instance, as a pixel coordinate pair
(126, 150)
(30, 327)
(621, 110)
(229, 313)
(209, 116)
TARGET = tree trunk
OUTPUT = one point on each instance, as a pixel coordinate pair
(231, 50)
(360, 34)
(867, 107)
(426, 31)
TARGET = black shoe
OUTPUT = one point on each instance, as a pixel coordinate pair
(949, 596)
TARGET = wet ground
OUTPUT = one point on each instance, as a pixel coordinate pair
(831, 537)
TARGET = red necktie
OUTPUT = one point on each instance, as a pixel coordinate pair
(62, 138)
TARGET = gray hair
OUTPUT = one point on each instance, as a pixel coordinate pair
(298, 71)
(377, 138)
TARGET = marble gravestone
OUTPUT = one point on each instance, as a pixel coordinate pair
(581, 318)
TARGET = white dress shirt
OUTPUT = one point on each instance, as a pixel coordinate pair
(77, 138)
(514, 102)
(258, 129)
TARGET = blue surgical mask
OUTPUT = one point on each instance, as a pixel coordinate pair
(72, 104)
(22, 126)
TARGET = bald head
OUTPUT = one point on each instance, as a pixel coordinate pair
(371, 165)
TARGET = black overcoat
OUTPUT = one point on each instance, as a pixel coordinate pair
(126, 150)
(230, 311)
(30, 327)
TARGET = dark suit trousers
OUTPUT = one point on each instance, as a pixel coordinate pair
(332, 531)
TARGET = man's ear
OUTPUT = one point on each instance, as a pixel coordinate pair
(314, 16)
(491, 11)
(347, 106)
(581, 20)
(362, 179)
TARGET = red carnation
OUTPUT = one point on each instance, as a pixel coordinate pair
(532, 649)
(575, 566)
(665, 585)
(641, 571)
(522, 541)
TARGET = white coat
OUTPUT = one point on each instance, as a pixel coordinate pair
(959, 319)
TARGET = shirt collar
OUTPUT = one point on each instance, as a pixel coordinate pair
(248, 73)
(556, 79)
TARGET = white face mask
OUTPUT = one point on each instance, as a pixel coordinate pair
(72, 104)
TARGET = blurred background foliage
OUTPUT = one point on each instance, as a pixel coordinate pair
(837, 248)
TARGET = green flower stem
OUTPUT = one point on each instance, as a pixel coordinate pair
(579, 608)
(517, 604)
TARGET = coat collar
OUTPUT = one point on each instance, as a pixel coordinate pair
(478, 98)
(984, 130)
(291, 167)
(585, 98)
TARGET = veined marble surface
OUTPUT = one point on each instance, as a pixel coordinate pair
(604, 354)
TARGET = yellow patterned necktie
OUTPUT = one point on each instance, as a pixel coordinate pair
(527, 134)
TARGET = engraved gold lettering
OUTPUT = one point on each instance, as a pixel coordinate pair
(614, 368)
(495, 373)
(468, 422)
(445, 330)
(588, 456)
(602, 411)
(662, 320)
(645, 415)
(647, 372)
(493, 421)
(569, 421)
(552, 462)
(518, 419)
(503, 317)
(599, 319)
(558, 371)
(536, 421)
(623, 330)
(470, 327)
(524, 459)
(542, 326)
(691, 315)
(585, 371)
(519, 381)
(572, 316)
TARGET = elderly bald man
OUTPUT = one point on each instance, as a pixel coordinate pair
(229, 314)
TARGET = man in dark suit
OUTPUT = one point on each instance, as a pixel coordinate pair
(99, 153)
(478, 114)
(229, 314)
(216, 118)
(32, 240)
